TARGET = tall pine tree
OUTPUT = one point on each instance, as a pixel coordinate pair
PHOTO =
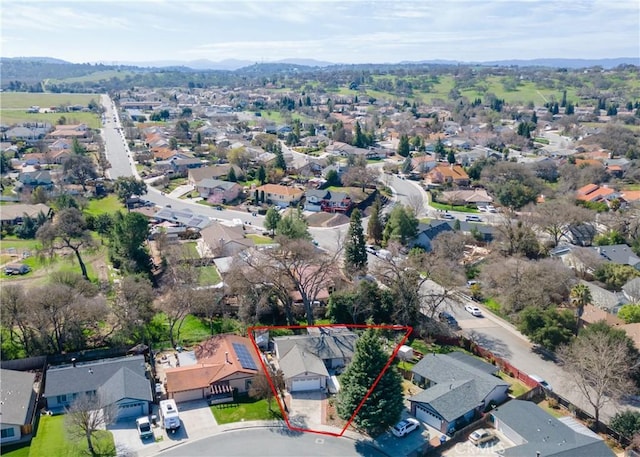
(355, 256)
(375, 227)
(404, 148)
(384, 406)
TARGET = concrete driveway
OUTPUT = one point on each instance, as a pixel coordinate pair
(413, 444)
(306, 409)
(126, 438)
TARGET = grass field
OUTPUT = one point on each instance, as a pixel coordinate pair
(23, 100)
(208, 276)
(17, 116)
(246, 409)
(94, 77)
(52, 439)
(109, 204)
(259, 239)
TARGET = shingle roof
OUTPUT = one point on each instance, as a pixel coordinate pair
(298, 361)
(89, 376)
(326, 346)
(125, 383)
(16, 394)
(545, 434)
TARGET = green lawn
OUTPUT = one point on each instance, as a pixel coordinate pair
(13, 242)
(246, 409)
(190, 250)
(259, 239)
(13, 116)
(109, 204)
(52, 440)
(208, 276)
(445, 207)
(10, 451)
(517, 388)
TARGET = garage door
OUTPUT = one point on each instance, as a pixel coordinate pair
(131, 410)
(187, 395)
(427, 417)
(298, 385)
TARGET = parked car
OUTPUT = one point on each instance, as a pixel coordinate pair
(17, 269)
(404, 427)
(473, 218)
(541, 381)
(144, 428)
(447, 216)
(370, 249)
(474, 310)
(480, 436)
(449, 320)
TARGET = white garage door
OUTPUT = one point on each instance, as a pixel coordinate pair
(187, 395)
(298, 385)
(428, 418)
(131, 410)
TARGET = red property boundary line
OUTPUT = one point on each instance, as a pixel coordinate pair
(251, 331)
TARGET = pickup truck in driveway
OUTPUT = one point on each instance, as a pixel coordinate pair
(144, 428)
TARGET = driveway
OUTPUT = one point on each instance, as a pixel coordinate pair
(126, 439)
(409, 445)
(306, 409)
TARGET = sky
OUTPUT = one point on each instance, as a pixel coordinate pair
(344, 31)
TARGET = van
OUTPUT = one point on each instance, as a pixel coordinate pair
(169, 415)
(541, 381)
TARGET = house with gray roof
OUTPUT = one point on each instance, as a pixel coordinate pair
(631, 290)
(458, 387)
(217, 190)
(17, 406)
(123, 382)
(306, 360)
(535, 432)
(621, 254)
(605, 299)
(428, 232)
(185, 217)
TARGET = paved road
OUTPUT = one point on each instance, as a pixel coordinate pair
(273, 442)
(116, 147)
(503, 340)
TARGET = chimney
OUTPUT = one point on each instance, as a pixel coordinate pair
(73, 362)
(226, 357)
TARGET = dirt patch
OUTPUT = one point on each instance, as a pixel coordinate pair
(330, 414)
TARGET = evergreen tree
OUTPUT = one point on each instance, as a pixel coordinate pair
(293, 226)
(402, 225)
(439, 149)
(451, 157)
(271, 220)
(407, 166)
(355, 255)
(403, 146)
(569, 109)
(231, 176)
(358, 139)
(280, 162)
(375, 227)
(384, 406)
(262, 175)
(563, 103)
(534, 118)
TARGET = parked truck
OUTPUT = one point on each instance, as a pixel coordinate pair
(144, 427)
(169, 415)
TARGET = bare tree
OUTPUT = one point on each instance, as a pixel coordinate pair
(515, 235)
(88, 414)
(416, 204)
(556, 217)
(262, 388)
(133, 306)
(599, 362)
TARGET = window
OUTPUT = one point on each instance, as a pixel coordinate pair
(247, 384)
(61, 398)
(7, 432)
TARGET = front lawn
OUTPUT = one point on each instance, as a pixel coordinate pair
(445, 207)
(10, 451)
(247, 409)
(516, 387)
(259, 239)
(109, 204)
(52, 439)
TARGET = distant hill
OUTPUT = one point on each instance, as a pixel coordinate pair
(37, 59)
(552, 63)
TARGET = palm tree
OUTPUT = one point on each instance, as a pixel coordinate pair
(580, 296)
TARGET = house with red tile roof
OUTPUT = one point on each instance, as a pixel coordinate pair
(446, 173)
(223, 364)
(596, 193)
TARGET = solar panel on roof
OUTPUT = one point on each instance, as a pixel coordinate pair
(244, 356)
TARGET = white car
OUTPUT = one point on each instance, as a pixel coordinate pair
(481, 436)
(404, 427)
(474, 310)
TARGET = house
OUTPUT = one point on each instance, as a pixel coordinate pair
(195, 175)
(621, 254)
(69, 130)
(314, 198)
(219, 240)
(466, 197)
(535, 432)
(592, 314)
(596, 193)
(458, 388)
(13, 214)
(18, 405)
(305, 360)
(281, 195)
(445, 173)
(604, 299)
(221, 365)
(218, 191)
(31, 179)
(428, 232)
(185, 217)
(631, 290)
(123, 382)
